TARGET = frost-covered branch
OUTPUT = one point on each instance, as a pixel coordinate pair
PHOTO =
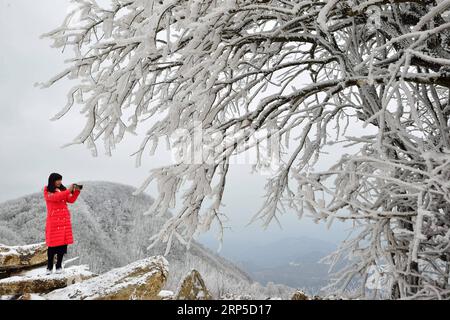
(302, 72)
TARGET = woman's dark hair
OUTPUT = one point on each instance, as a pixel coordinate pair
(51, 182)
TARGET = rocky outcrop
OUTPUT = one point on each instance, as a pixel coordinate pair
(140, 280)
(30, 296)
(17, 258)
(36, 281)
(166, 295)
(25, 278)
(299, 295)
(22, 277)
(234, 296)
(193, 288)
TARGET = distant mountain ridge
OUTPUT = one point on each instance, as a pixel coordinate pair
(111, 231)
(293, 261)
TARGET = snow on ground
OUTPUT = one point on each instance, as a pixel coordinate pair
(165, 293)
(111, 281)
(39, 273)
(20, 250)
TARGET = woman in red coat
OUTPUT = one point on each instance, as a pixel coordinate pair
(58, 227)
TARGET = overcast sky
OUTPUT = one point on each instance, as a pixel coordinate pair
(30, 143)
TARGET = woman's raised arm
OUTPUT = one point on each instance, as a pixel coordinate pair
(73, 196)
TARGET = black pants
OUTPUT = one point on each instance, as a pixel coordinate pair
(59, 252)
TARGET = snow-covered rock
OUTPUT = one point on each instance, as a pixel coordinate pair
(31, 296)
(299, 295)
(20, 257)
(166, 295)
(193, 288)
(231, 296)
(36, 281)
(140, 280)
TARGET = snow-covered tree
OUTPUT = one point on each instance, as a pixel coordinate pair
(303, 72)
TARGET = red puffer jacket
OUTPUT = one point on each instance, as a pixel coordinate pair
(58, 227)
